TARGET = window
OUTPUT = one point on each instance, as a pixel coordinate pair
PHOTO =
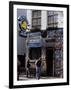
(39, 21)
(34, 14)
(53, 18)
(36, 19)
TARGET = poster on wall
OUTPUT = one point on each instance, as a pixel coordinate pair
(38, 44)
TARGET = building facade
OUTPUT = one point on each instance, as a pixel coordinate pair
(44, 19)
(49, 47)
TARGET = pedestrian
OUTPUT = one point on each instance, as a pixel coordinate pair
(38, 68)
(28, 68)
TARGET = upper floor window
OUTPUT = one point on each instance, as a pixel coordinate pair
(36, 19)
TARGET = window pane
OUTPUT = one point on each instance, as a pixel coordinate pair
(55, 18)
(39, 21)
(39, 13)
(34, 14)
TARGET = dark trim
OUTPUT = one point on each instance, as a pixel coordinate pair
(53, 28)
(35, 30)
(68, 45)
(39, 4)
(39, 30)
(40, 85)
(10, 45)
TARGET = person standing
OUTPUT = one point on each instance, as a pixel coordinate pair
(38, 68)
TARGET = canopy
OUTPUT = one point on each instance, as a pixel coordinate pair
(34, 45)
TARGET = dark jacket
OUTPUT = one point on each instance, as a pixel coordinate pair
(38, 63)
(28, 64)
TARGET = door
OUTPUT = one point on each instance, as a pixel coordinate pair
(49, 61)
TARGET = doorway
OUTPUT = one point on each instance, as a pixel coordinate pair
(35, 53)
(49, 61)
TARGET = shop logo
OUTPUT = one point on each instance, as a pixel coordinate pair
(23, 25)
(23, 22)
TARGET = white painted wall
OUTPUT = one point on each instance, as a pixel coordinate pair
(60, 20)
(43, 20)
(21, 46)
(29, 18)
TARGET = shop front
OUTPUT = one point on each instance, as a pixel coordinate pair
(50, 51)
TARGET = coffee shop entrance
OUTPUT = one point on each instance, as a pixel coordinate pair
(50, 49)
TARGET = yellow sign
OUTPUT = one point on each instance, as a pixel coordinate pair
(24, 25)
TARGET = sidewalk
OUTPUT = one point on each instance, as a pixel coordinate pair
(23, 77)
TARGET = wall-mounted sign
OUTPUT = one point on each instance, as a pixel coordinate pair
(23, 24)
(34, 45)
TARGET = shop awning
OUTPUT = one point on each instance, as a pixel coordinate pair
(34, 45)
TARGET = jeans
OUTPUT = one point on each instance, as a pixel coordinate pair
(38, 71)
(28, 72)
